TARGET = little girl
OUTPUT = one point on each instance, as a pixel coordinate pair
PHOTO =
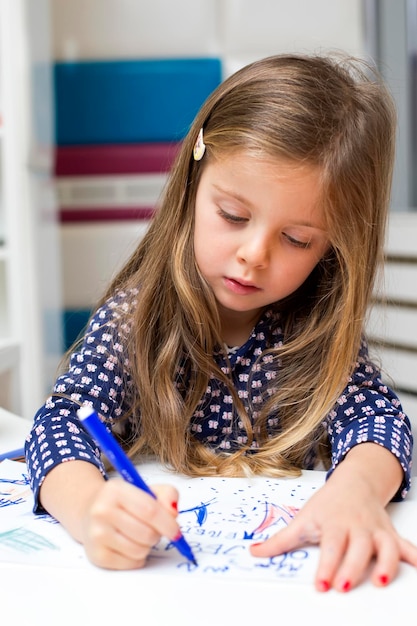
(232, 341)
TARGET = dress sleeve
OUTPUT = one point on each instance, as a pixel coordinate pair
(369, 411)
(97, 376)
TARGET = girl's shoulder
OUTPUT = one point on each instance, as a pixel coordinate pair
(116, 307)
(112, 319)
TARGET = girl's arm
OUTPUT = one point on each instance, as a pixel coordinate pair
(93, 377)
(371, 443)
(347, 517)
(117, 523)
(67, 492)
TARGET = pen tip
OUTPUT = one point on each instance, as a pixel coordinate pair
(194, 562)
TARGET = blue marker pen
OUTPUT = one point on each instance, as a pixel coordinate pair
(123, 464)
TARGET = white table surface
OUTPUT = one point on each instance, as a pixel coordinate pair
(13, 430)
(44, 596)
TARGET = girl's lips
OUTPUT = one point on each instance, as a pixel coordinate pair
(239, 288)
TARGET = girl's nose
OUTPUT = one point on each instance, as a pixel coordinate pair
(255, 250)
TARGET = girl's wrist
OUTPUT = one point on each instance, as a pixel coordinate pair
(372, 466)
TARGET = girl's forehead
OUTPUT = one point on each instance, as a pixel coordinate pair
(250, 165)
(279, 165)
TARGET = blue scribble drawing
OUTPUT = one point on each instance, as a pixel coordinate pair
(11, 492)
(287, 564)
(16, 481)
(200, 510)
(10, 501)
(241, 513)
(45, 517)
(274, 513)
(24, 540)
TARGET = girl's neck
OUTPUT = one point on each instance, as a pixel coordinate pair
(237, 326)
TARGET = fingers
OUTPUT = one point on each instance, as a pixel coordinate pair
(408, 552)
(347, 556)
(293, 536)
(367, 550)
(168, 497)
(389, 554)
(343, 559)
(124, 523)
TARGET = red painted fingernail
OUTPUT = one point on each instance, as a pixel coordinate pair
(323, 585)
(384, 579)
(254, 545)
(346, 585)
(174, 506)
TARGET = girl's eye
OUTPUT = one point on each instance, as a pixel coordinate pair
(230, 217)
(295, 242)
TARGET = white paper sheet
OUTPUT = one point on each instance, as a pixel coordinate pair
(219, 517)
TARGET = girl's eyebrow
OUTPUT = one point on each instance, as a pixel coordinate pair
(233, 194)
(310, 225)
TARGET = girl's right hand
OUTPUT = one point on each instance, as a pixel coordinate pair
(122, 523)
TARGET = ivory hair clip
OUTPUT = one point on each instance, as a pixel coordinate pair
(199, 147)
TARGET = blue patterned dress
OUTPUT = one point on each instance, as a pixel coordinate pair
(98, 374)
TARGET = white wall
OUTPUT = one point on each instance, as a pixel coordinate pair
(91, 29)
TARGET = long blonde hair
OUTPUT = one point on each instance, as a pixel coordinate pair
(330, 112)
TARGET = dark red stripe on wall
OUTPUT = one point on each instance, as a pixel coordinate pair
(95, 160)
(105, 214)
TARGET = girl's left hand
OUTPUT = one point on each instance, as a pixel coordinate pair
(353, 528)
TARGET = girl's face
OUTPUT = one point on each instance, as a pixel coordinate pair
(259, 232)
